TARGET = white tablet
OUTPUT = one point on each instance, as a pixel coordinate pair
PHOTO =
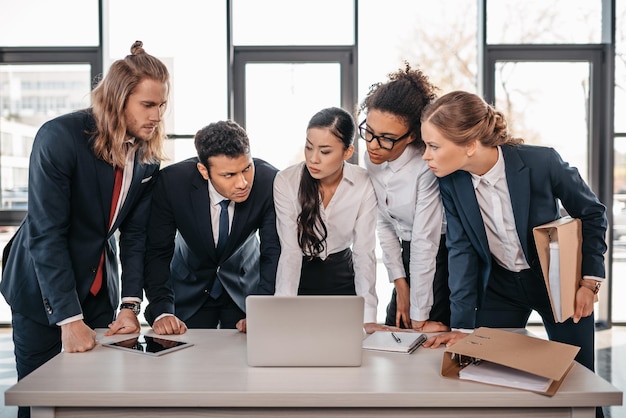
(149, 345)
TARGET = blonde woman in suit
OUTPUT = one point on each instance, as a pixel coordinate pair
(495, 190)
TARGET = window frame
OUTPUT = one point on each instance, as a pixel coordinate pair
(91, 56)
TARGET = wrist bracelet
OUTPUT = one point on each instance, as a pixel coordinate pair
(595, 288)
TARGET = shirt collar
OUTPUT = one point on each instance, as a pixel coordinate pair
(494, 174)
(214, 197)
(409, 153)
(348, 173)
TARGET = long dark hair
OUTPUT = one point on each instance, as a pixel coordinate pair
(312, 231)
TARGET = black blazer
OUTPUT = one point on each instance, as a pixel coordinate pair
(537, 178)
(181, 261)
(51, 262)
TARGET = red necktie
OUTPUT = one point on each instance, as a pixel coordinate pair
(117, 187)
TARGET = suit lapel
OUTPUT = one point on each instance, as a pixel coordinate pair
(468, 206)
(518, 180)
(138, 174)
(201, 211)
(105, 176)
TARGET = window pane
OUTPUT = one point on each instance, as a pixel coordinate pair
(619, 231)
(49, 23)
(298, 91)
(528, 94)
(436, 36)
(191, 41)
(288, 22)
(620, 67)
(544, 22)
(29, 96)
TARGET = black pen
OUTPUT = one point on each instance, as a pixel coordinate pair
(395, 337)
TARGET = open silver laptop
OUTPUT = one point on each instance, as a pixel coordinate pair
(304, 330)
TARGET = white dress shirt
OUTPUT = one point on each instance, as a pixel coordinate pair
(494, 200)
(409, 209)
(127, 179)
(350, 219)
(215, 198)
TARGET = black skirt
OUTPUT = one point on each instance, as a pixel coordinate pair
(333, 276)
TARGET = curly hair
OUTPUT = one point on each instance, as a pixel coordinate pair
(462, 117)
(405, 94)
(225, 137)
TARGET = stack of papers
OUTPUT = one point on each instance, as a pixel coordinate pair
(400, 342)
(497, 374)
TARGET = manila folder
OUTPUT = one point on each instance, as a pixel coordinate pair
(566, 235)
(544, 358)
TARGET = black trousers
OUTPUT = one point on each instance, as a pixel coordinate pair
(441, 292)
(333, 276)
(36, 343)
(222, 312)
(512, 296)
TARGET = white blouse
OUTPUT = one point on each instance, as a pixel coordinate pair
(350, 219)
(409, 209)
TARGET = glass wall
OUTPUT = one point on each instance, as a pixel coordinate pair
(619, 168)
(288, 22)
(193, 39)
(41, 23)
(544, 22)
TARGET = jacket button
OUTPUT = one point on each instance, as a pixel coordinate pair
(46, 304)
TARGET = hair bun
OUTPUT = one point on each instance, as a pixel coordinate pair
(136, 48)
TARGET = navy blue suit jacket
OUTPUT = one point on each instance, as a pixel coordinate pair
(52, 260)
(537, 179)
(181, 259)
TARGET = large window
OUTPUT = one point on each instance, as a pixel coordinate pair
(544, 22)
(192, 41)
(44, 23)
(619, 170)
(48, 69)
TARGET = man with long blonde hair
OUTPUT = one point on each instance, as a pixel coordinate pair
(91, 174)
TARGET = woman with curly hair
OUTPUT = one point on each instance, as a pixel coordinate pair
(411, 226)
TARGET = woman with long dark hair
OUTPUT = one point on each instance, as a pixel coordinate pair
(326, 216)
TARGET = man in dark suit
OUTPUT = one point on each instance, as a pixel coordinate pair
(191, 280)
(60, 273)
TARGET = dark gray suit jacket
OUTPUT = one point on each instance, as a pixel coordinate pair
(181, 259)
(51, 262)
(537, 178)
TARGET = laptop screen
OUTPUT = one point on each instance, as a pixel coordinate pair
(304, 330)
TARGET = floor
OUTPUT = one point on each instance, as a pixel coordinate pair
(610, 364)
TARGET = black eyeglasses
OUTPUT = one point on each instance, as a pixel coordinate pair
(383, 141)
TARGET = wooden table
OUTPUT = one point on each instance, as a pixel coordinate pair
(213, 378)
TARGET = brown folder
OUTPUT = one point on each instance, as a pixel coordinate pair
(565, 231)
(550, 360)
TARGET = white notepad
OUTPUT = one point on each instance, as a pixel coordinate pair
(404, 342)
